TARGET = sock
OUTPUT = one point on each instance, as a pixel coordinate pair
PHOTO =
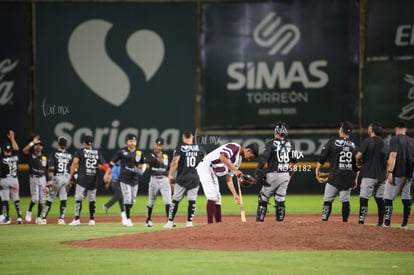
(191, 210)
(18, 207)
(128, 210)
(380, 209)
(346, 209)
(406, 211)
(78, 209)
(62, 209)
(39, 209)
(363, 210)
(217, 214)
(149, 213)
(92, 210)
(6, 209)
(387, 212)
(211, 210)
(173, 210)
(326, 211)
(32, 203)
(167, 210)
(46, 210)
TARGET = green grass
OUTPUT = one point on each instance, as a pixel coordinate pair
(32, 249)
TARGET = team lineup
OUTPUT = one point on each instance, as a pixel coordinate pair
(381, 170)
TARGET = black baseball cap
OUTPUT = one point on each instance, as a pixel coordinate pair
(88, 140)
(131, 137)
(401, 125)
(347, 127)
(159, 141)
(62, 141)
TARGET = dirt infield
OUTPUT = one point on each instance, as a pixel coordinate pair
(297, 232)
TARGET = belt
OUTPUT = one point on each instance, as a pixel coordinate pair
(159, 177)
(9, 177)
(37, 176)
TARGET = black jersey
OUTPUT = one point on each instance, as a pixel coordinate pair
(158, 168)
(60, 162)
(340, 152)
(403, 146)
(37, 164)
(89, 160)
(129, 164)
(9, 165)
(374, 158)
(190, 155)
(278, 154)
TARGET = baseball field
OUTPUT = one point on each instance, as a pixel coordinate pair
(302, 244)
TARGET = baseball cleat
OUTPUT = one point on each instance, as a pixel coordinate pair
(189, 224)
(38, 220)
(5, 221)
(105, 209)
(92, 222)
(149, 224)
(405, 227)
(74, 223)
(28, 217)
(169, 224)
(19, 220)
(61, 221)
(129, 223)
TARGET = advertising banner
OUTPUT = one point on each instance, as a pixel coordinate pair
(14, 70)
(388, 93)
(389, 28)
(294, 61)
(110, 69)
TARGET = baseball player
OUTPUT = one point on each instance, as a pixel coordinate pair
(343, 175)
(399, 172)
(223, 161)
(130, 158)
(278, 156)
(86, 162)
(159, 182)
(187, 155)
(59, 163)
(9, 161)
(372, 160)
(37, 172)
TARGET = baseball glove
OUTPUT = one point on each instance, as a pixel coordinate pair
(323, 177)
(261, 178)
(247, 180)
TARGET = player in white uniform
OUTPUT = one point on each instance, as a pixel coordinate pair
(223, 161)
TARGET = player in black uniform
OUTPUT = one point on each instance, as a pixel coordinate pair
(278, 155)
(159, 183)
(372, 157)
(186, 157)
(37, 172)
(340, 152)
(86, 161)
(9, 162)
(130, 158)
(59, 162)
(399, 173)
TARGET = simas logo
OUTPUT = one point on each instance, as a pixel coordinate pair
(262, 74)
(93, 65)
(6, 87)
(279, 38)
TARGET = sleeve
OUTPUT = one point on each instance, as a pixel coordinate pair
(230, 150)
(326, 151)
(394, 144)
(264, 157)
